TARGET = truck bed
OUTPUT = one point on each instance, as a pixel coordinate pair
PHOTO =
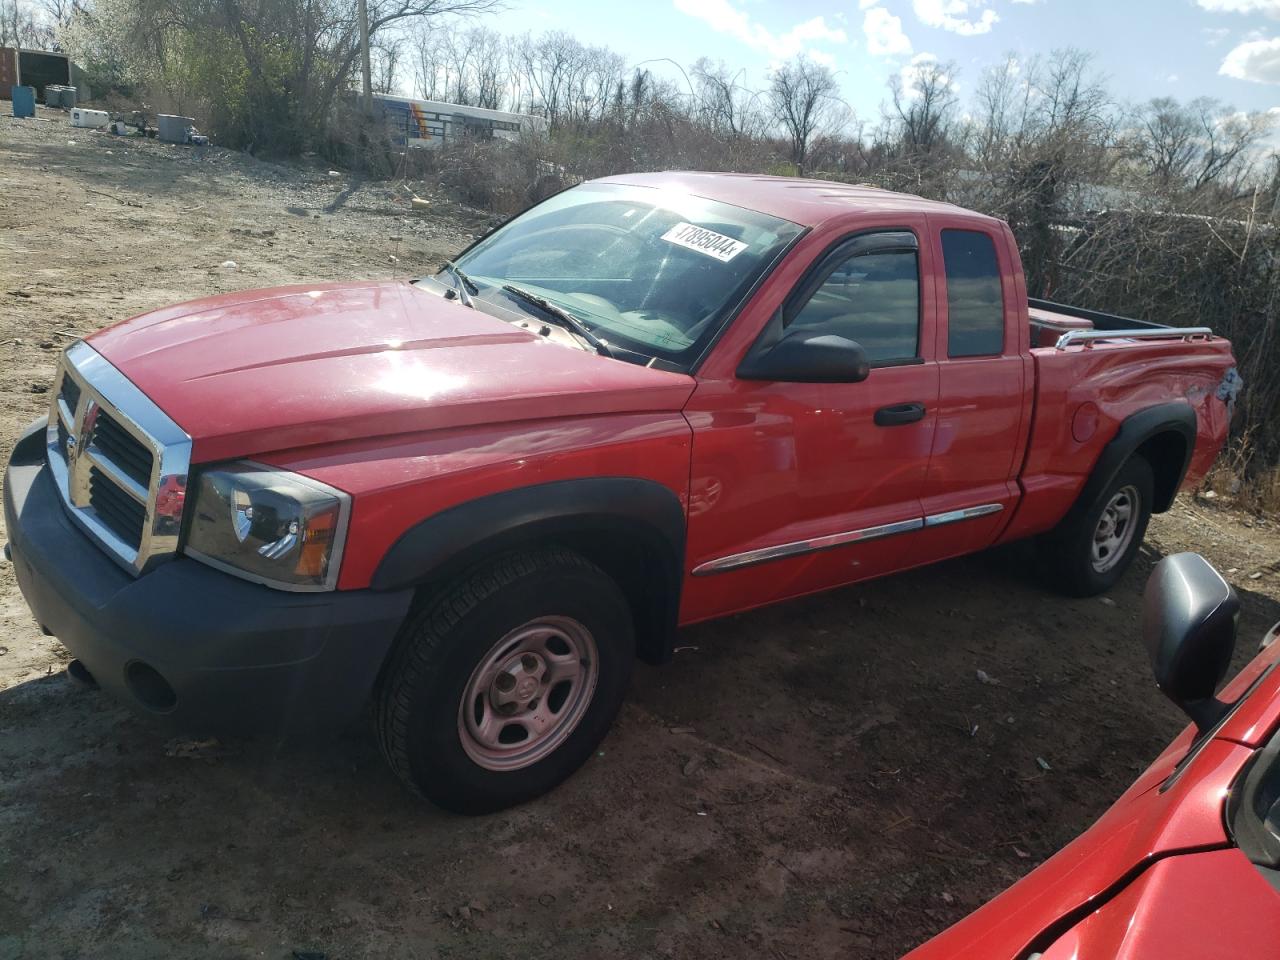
(1092, 370)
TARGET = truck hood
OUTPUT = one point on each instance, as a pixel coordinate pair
(252, 372)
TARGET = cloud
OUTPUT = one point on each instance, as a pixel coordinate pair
(723, 17)
(956, 15)
(1269, 7)
(1215, 35)
(1256, 60)
(884, 33)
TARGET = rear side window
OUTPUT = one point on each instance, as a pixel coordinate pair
(975, 306)
(872, 298)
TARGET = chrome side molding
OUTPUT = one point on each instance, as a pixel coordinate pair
(752, 557)
(968, 513)
(795, 548)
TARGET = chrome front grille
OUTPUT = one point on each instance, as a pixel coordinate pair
(112, 451)
(134, 458)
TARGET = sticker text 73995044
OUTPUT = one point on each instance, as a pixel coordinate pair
(704, 241)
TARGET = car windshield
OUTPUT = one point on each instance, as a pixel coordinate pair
(654, 272)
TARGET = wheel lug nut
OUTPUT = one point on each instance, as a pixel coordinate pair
(529, 662)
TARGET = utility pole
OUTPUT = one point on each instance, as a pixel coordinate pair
(363, 13)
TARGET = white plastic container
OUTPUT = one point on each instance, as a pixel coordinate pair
(81, 117)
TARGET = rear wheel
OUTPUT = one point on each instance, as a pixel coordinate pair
(1093, 546)
(503, 685)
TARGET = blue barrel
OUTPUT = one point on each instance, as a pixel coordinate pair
(24, 101)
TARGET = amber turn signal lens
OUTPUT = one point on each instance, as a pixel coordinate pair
(314, 556)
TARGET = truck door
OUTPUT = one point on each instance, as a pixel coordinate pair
(982, 343)
(799, 486)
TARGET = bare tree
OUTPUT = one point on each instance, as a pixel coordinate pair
(1165, 139)
(802, 97)
(924, 107)
(724, 102)
(1226, 139)
(25, 25)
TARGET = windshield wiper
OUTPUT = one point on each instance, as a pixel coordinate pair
(561, 317)
(465, 287)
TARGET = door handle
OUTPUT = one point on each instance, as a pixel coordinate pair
(900, 414)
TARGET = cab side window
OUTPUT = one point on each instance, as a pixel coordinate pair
(975, 303)
(872, 298)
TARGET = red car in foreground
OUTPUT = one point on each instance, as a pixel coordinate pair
(645, 402)
(1186, 864)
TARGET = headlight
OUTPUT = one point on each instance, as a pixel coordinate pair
(270, 526)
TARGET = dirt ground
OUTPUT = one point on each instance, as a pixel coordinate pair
(825, 778)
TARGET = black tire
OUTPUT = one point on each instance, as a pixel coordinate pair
(442, 644)
(1068, 550)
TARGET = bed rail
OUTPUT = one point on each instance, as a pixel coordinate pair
(1146, 333)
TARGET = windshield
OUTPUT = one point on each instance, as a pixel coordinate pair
(654, 272)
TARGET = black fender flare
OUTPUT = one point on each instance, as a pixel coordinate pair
(601, 512)
(1135, 430)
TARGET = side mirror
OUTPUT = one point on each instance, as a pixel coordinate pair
(804, 357)
(1189, 618)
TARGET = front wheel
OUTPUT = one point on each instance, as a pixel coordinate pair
(1093, 546)
(503, 685)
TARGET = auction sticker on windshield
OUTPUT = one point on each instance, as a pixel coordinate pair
(705, 241)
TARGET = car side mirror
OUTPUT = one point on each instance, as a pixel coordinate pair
(805, 357)
(1189, 616)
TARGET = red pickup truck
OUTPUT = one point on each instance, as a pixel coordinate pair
(648, 401)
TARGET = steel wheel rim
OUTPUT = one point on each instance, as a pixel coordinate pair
(528, 693)
(1114, 532)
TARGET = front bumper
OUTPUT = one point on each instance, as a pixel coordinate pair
(234, 656)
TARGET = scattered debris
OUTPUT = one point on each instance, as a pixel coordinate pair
(20, 293)
(1021, 854)
(1107, 601)
(1209, 495)
(756, 746)
(229, 265)
(947, 898)
(1257, 575)
(682, 730)
(690, 768)
(211, 911)
(1043, 764)
(986, 678)
(209, 749)
(112, 196)
(39, 388)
